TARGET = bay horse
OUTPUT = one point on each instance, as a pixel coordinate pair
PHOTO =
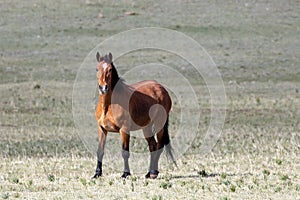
(123, 108)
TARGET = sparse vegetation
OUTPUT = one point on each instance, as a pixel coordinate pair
(83, 181)
(254, 46)
(15, 180)
(223, 175)
(232, 188)
(51, 177)
(165, 185)
(5, 196)
(278, 161)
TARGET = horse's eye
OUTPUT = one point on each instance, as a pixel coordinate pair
(110, 70)
(97, 70)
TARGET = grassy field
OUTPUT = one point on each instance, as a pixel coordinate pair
(255, 45)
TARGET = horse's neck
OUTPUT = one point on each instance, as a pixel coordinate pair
(104, 101)
(120, 94)
(122, 91)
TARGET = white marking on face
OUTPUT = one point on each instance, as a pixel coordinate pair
(105, 65)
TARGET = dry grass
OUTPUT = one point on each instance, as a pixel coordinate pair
(209, 177)
(255, 47)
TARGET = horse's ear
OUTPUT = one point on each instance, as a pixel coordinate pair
(110, 57)
(98, 56)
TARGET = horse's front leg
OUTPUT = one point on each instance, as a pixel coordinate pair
(125, 138)
(100, 152)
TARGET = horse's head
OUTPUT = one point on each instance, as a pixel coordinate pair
(107, 75)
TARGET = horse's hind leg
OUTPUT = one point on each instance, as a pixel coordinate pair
(159, 150)
(149, 136)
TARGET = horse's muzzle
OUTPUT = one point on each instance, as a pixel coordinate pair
(103, 89)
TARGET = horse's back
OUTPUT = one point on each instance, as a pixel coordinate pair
(153, 92)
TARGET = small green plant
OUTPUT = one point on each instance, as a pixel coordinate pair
(51, 177)
(284, 177)
(30, 182)
(278, 161)
(155, 197)
(240, 182)
(168, 177)
(133, 178)
(111, 182)
(132, 187)
(266, 172)
(17, 195)
(257, 100)
(232, 188)
(226, 182)
(15, 180)
(165, 185)
(208, 188)
(202, 187)
(5, 195)
(183, 183)
(83, 181)
(297, 188)
(278, 189)
(92, 182)
(255, 181)
(146, 183)
(223, 175)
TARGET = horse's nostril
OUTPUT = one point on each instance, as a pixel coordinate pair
(103, 89)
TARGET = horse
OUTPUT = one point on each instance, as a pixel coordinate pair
(123, 108)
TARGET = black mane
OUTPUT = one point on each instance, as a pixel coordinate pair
(115, 77)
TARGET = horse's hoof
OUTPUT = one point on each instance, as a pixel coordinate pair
(125, 174)
(152, 174)
(97, 175)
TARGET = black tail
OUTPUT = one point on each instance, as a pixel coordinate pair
(166, 141)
